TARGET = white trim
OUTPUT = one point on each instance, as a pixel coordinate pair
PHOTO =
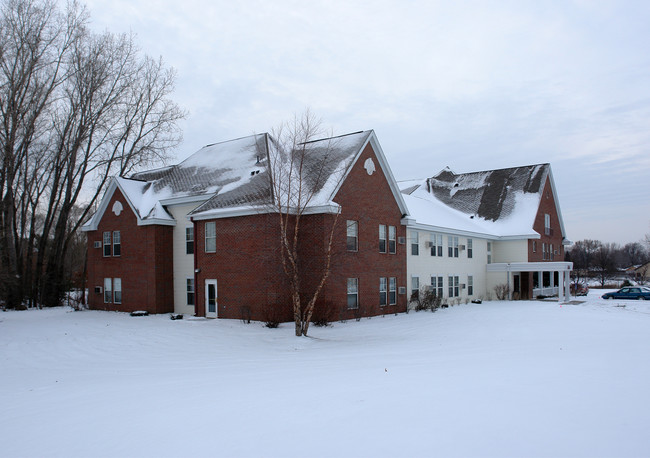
(409, 223)
(331, 208)
(530, 267)
(186, 199)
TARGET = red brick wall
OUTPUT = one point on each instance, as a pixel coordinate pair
(248, 269)
(145, 264)
(546, 206)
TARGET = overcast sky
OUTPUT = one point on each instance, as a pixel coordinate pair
(472, 85)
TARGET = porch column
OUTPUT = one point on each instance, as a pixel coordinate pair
(567, 285)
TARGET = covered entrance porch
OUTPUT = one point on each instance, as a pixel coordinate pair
(528, 280)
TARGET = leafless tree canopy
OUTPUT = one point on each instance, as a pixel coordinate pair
(299, 172)
(76, 107)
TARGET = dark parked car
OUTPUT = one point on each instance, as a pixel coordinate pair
(629, 292)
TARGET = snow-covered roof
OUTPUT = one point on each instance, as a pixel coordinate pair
(498, 203)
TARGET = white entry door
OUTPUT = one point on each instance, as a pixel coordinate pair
(211, 298)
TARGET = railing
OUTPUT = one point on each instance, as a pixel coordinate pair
(546, 291)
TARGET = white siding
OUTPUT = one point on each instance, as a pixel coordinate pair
(183, 262)
(424, 265)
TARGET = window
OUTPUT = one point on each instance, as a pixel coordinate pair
(353, 293)
(392, 245)
(117, 290)
(489, 252)
(210, 237)
(392, 290)
(534, 246)
(108, 290)
(550, 252)
(189, 240)
(353, 235)
(437, 285)
(454, 289)
(470, 285)
(452, 249)
(190, 291)
(382, 291)
(117, 243)
(415, 243)
(547, 224)
(470, 251)
(382, 238)
(415, 287)
(107, 243)
(543, 251)
(436, 244)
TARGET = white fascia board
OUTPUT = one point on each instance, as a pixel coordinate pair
(331, 208)
(412, 224)
(530, 267)
(186, 199)
(557, 201)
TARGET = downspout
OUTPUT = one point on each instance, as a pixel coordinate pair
(196, 273)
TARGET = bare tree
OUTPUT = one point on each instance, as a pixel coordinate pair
(604, 262)
(298, 174)
(75, 108)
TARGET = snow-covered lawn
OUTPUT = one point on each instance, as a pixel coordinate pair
(495, 379)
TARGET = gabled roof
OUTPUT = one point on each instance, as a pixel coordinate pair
(234, 178)
(500, 203)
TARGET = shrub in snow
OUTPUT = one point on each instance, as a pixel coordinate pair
(502, 292)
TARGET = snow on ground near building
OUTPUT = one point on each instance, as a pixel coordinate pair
(495, 379)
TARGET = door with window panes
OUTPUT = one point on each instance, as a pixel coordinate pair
(211, 298)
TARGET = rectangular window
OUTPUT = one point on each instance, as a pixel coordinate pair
(415, 287)
(353, 293)
(117, 243)
(107, 243)
(383, 287)
(547, 224)
(353, 235)
(543, 251)
(470, 285)
(392, 245)
(437, 285)
(489, 252)
(454, 286)
(436, 244)
(117, 290)
(210, 237)
(470, 251)
(190, 291)
(108, 290)
(415, 243)
(382, 238)
(534, 246)
(452, 249)
(189, 240)
(392, 290)
(551, 255)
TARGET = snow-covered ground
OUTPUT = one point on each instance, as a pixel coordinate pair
(499, 379)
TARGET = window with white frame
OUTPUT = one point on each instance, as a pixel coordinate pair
(452, 249)
(189, 240)
(544, 251)
(551, 256)
(437, 285)
(534, 246)
(210, 237)
(415, 243)
(470, 250)
(189, 286)
(117, 290)
(547, 224)
(436, 244)
(392, 245)
(353, 293)
(382, 238)
(392, 290)
(107, 243)
(352, 235)
(489, 252)
(117, 243)
(454, 285)
(108, 290)
(470, 285)
(383, 291)
(415, 287)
